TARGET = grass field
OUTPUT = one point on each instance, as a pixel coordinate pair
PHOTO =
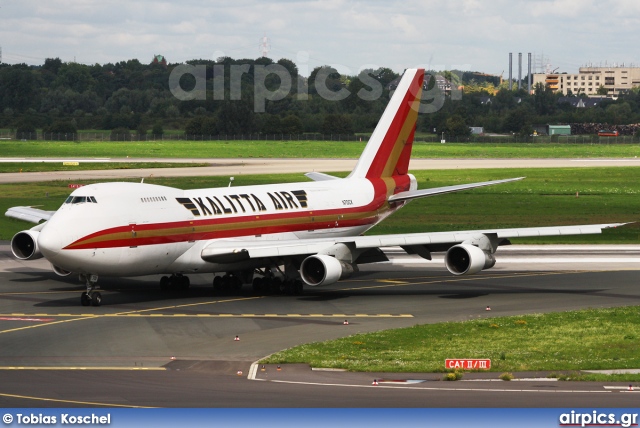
(304, 149)
(592, 339)
(545, 197)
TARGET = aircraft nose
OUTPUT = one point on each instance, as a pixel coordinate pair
(49, 243)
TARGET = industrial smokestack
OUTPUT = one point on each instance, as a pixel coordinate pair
(520, 71)
(510, 71)
(529, 74)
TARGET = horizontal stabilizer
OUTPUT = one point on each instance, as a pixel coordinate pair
(423, 193)
(319, 176)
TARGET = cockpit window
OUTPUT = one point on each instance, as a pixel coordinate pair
(80, 200)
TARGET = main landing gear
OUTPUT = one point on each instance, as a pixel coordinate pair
(175, 282)
(229, 283)
(92, 296)
(275, 285)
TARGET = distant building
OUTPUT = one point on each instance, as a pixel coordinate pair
(581, 102)
(159, 59)
(552, 129)
(588, 80)
(441, 82)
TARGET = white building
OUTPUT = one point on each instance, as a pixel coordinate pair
(589, 79)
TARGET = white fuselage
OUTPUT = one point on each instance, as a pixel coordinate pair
(129, 229)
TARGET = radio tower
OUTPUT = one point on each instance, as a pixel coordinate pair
(264, 46)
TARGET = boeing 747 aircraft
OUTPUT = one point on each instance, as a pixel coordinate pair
(278, 235)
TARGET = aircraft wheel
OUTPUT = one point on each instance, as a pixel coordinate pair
(276, 284)
(237, 285)
(96, 298)
(184, 283)
(257, 284)
(84, 299)
(165, 283)
(217, 283)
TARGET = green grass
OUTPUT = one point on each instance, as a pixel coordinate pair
(87, 166)
(592, 339)
(546, 197)
(304, 149)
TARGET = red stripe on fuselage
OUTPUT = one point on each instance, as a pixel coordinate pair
(369, 216)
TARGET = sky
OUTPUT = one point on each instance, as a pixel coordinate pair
(475, 35)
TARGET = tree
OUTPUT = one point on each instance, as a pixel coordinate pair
(291, 125)
(26, 129)
(544, 99)
(456, 126)
(602, 90)
(194, 126)
(120, 134)
(618, 114)
(517, 120)
(337, 124)
(52, 65)
(271, 124)
(74, 76)
(157, 130)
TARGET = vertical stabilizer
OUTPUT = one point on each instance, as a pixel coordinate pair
(388, 151)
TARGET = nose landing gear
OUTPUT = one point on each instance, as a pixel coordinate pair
(92, 296)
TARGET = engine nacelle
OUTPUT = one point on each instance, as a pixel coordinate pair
(323, 270)
(59, 271)
(24, 245)
(466, 259)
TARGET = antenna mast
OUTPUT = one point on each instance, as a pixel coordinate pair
(264, 46)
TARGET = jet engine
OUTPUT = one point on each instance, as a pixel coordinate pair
(24, 245)
(321, 269)
(59, 271)
(463, 259)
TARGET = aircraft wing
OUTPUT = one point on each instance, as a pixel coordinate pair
(419, 243)
(30, 214)
(414, 194)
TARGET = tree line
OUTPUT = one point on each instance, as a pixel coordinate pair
(60, 98)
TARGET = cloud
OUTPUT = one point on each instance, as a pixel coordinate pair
(390, 33)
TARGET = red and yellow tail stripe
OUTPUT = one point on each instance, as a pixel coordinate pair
(389, 149)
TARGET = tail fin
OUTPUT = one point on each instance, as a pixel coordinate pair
(388, 151)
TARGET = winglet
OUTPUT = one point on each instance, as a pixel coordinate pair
(388, 151)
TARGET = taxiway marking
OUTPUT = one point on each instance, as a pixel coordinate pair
(420, 388)
(85, 403)
(82, 368)
(435, 280)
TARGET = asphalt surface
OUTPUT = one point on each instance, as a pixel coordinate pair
(147, 348)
